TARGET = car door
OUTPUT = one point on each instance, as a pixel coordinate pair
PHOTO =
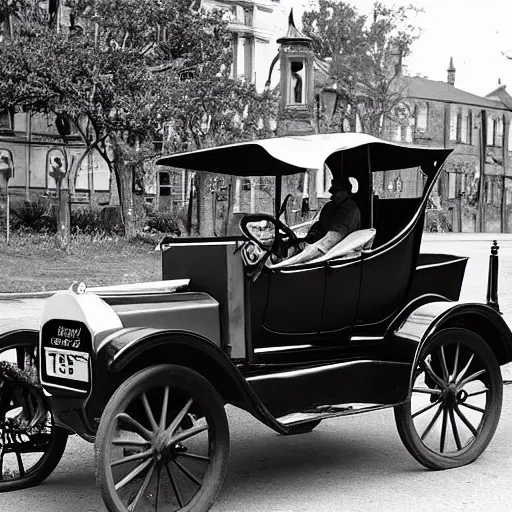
(385, 278)
(295, 299)
(341, 297)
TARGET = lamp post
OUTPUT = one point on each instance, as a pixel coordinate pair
(296, 102)
(6, 173)
(57, 165)
(296, 105)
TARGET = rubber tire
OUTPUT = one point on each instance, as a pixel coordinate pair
(202, 392)
(47, 464)
(303, 428)
(404, 421)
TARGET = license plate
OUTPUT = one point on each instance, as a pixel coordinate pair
(67, 364)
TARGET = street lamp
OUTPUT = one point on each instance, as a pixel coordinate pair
(6, 173)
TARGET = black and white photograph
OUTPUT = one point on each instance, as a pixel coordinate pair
(228, 228)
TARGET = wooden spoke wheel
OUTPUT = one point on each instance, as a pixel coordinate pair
(455, 403)
(31, 445)
(162, 443)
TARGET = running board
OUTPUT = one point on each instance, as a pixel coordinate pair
(320, 389)
(326, 412)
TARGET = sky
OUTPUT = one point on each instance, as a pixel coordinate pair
(473, 32)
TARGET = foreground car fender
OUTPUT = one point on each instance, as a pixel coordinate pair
(424, 322)
(130, 350)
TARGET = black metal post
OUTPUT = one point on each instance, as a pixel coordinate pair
(277, 196)
(492, 281)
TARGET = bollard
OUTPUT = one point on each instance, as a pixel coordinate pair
(492, 280)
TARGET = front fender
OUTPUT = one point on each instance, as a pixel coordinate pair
(125, 352)
(427, 320)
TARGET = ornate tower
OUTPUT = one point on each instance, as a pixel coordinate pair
(296, 83)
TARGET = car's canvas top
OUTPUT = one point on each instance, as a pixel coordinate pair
(290, 155)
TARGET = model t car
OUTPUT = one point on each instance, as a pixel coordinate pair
(146, 371)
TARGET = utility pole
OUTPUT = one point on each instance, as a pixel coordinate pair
(481, 182)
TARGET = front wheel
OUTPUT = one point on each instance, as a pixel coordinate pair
(31, 445)
(455, 403)
(162, 442)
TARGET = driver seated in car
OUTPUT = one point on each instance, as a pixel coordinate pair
(339, 217)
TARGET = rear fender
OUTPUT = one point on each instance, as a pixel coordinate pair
(427, 320)
(131, 350)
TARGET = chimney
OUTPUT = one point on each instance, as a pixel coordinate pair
(451, 72)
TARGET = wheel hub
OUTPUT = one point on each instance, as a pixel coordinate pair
(164, 450)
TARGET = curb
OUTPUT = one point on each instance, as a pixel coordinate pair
(466, 237)
(27, 295)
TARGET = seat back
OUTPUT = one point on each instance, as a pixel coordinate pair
(355, 241)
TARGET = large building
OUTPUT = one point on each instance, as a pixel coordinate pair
(34, 140)
(474, 191)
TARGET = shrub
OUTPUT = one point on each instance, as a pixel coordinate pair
(164, 223)
(92, 223)
(34, 216)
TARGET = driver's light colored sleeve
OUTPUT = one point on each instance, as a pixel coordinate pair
(329, 241)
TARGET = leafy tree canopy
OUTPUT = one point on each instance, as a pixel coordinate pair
(128, 71)
(365, 53)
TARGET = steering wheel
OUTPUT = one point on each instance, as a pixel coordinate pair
(285, 236)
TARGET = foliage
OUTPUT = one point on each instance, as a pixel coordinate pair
(128, 72)
(164, 222)
(92, 223)
(365, 54)
(35, 216)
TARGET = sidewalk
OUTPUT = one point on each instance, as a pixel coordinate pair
(467, 237)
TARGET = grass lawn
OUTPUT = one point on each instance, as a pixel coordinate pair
(32, 263)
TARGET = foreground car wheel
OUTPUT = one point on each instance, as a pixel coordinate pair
(162, 443)
(31, 445)
(455, 402)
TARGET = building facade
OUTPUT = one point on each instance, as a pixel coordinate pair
(474, 191)
(34, 140)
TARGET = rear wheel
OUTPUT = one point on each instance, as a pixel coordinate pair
(31, 445)
(455, 403)
(162, 443)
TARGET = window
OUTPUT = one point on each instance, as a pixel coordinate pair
(297, 92)
(164, 183)
(453, 126)
(248, 64)
(468, 127)
(510, 136)
(422, 117)
(489, 189)
(6, 120)
(464, 127)
(248, 16)
(496, 197)
(498, 132)
(490, 131)
(452, 180)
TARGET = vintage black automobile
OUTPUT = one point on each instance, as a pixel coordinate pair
(146, 371)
